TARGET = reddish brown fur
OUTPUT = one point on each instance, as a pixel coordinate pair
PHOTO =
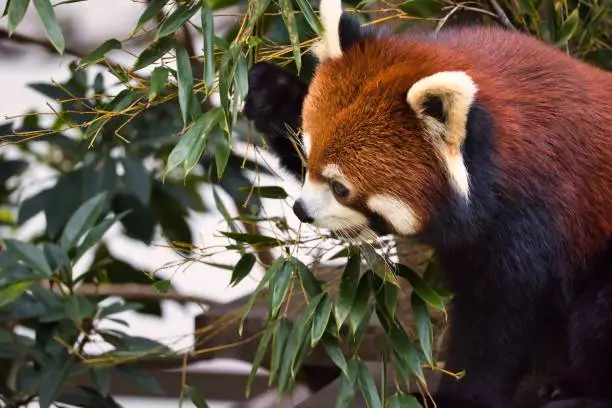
(356, 111)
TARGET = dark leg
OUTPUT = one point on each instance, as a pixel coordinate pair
(274, 104)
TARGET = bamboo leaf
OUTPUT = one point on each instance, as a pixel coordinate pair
(30, 255)
(321, 320)
(96, 233)
(291, 25)
(99, 53)
(16, 11)
(279, 285)
(346, 394)
(185, 80)
(251, 239)
(83, 219)
(568, 28)
(153, 52)
(260, 353)
(403, 401)
(137, 179)
(310, 16)
(422, 323)
(222, 154)
(335, 353)
(153, 8)
(368, 388)
(308, 280)
(11, 292)
(424, 290)
(195, 397)
(274, 192)
(348, 289)
(281, 334)
(176, 20)
(243, 268)
(405, 352)
(270, 272)
(296, 340)
(189, 149)
(360, 302)
(159, 76)
(208, 31)
(49, 21)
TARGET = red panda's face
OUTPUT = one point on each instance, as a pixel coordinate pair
(383, 140)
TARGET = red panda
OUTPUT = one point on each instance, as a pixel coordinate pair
(487, 144)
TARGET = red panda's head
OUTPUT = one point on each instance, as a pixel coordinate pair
(383, 132)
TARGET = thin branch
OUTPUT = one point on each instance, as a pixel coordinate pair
(501, 15)
(138, 292)
(22, 39)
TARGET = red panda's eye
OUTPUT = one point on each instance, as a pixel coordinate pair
(339, 189)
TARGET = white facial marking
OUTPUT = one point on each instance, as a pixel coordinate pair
(330, 12)
(403, 219)
(327, 212)
(331, 171)
(307, 143)
(457, 91)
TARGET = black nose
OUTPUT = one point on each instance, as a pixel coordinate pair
(300, 212)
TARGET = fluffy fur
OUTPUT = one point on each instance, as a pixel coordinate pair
(521, 217)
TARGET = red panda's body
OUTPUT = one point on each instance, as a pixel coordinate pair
(492, 147)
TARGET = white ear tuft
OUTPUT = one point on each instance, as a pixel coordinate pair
(457, 91)
(329, 45)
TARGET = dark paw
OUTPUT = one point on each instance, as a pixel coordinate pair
(275, 97)
(442, 401)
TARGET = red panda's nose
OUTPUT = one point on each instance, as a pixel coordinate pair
(300, 212)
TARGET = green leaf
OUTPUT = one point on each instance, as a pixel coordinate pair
(189, 149)
(378, 265)
(360, 303)
(99, 53)
(422, 8)
(226, 215)
(348, 289)
(252, 239)
(321, 320)
(16, 11)
(310, 16)
(30, 255)
(425, 291)
(85, 217)
(196, 398)
(78, 308)
(163, 286)
(208, 28)
(308, 280)
(222, 154)
(289, 18)
(568, 28)
(368, 388)
(100, 377)
(141, 378)
(281, 334)
(271, 271)
(346, 394)
(403, 401)
(259, 354)
(422, 322)
(405, 352)
(153, 52)
(243, 268)
(176, 20)
(185, 80)
(159, 76)
(296, 341)
(153, 8)
(52, 378)
(137, 179)
(335, 353)
(268, 191)
(279, 285)
(57, 258)
(118, 307)
(11, 292)
(361, 330)
(52, 27)
(96, 233)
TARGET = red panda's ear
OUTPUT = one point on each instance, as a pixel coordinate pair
(443, 101)
(340, 31)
